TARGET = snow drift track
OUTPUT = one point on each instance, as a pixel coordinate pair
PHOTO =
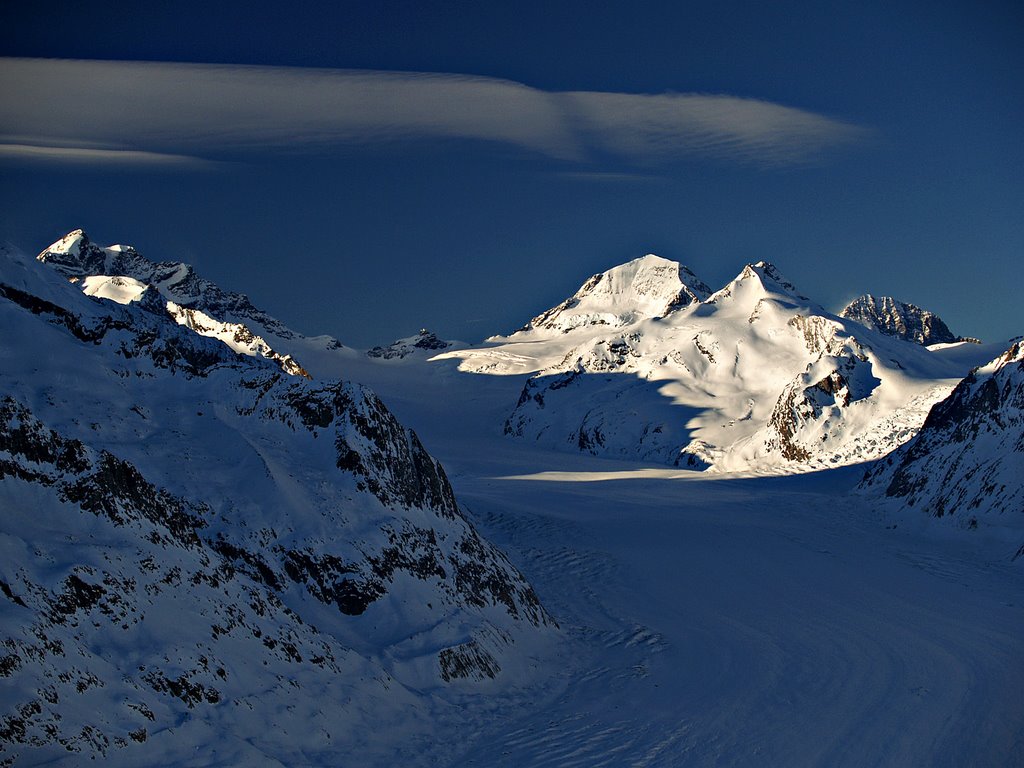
(755, 622)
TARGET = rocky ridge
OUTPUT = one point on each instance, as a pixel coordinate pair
(120, 273)
(423, 343)
(225, 530)
(966, 463)
(76, 257)
(896, 318)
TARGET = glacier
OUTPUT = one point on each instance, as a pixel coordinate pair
(616, 606)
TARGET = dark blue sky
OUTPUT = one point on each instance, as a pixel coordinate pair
(885, 153)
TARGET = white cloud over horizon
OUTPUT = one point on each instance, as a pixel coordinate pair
(92, 156)
(124, 112)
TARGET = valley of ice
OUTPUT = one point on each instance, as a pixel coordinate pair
(677, 474)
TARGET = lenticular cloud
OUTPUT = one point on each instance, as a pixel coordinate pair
(216, 110)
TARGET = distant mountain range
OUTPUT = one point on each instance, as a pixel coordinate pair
(422, 344)
(645, 360)
(184, 488)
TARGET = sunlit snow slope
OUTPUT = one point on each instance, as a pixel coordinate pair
(643, 363)
(115, 272)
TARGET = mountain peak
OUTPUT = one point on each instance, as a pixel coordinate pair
(424, 342)
(756, 281)
(649, 260)
(770, 277)
(900, 319)
(75, 256)
(72, 242)
(646, 287)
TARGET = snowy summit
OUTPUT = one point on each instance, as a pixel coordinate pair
(645, 361)
(643, 288)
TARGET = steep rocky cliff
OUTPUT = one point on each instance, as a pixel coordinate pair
(188, 527)
(897, 318)
(966, 463)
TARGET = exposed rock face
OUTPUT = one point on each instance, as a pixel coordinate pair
(799, 424)
(189, 528)
(896, 318)
(83, 670)
(132, 333)
(237, 336)
(424, 342)
(967, 462)
(468, 660)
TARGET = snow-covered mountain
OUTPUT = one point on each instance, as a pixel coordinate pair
(119, 272)
(196, 542)
(967, 462)
(75, 256)
(896, 318)
(422, 344)
(645, 362)
(646, 287)
(206, 559)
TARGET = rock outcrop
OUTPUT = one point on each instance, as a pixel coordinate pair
(423, 343)
(896, 318)
(190, 528)
(966, 463)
